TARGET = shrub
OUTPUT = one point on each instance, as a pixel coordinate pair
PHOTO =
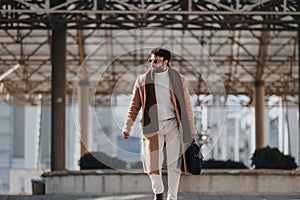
(272, 158)
(99, 160)
(220, 164)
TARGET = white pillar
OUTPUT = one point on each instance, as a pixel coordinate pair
(30, 137)
(236, 138)
(252, 150)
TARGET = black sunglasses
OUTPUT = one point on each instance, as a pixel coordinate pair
(154, 61)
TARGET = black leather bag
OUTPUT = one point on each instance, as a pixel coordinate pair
(194, 158)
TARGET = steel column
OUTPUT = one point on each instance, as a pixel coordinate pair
(84, 100)
(259, 114)
(58, 101)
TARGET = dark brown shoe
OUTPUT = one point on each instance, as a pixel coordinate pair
(159, 196)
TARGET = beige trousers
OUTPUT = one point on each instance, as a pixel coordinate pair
(168, 134)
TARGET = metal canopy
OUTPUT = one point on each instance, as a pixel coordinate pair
(248, 40)
(174, 14)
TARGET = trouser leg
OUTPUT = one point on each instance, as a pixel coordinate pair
(173, 153)
(157, 183)
(173, 183)
(156, 179)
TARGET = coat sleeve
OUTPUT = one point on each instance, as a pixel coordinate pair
(134, 108)
(189, 107)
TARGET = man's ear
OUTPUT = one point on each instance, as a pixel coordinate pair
(166, 62)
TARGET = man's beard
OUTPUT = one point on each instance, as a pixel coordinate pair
(158, 69)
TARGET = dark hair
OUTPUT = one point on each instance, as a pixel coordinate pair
(163, 52)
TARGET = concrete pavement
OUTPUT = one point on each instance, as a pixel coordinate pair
(150, 197)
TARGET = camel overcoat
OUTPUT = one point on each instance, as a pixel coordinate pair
(144, 99)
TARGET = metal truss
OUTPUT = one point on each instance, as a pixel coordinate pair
(249, 41)
(114, 59)
(131, 14)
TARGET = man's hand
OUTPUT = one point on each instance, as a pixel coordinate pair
(126, 135)
(194, 136)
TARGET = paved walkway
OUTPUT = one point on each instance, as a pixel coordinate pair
(150, 197)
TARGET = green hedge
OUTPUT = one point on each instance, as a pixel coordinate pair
(264, 158)
(99, 160)
(221, 164)
(272, 158)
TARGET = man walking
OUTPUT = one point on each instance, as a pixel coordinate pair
(167, 119)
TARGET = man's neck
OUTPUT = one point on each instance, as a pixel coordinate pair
(164, 69)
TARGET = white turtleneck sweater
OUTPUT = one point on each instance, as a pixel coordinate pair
(165, 108)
